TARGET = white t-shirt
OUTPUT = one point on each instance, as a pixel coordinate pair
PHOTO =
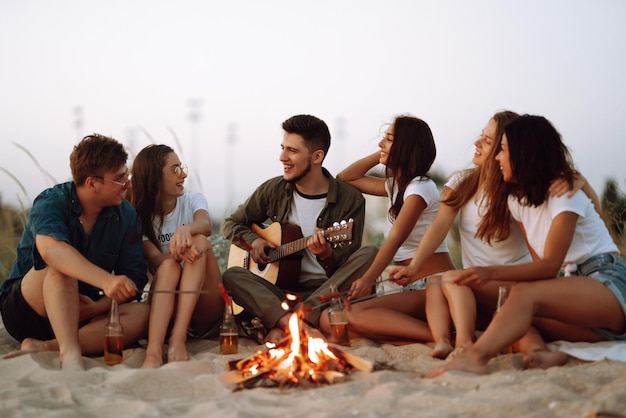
(475, 251)
(304, 213)
(590, 238)
(186, 206)
(427, 190)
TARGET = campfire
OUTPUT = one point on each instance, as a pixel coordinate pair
(299, 360)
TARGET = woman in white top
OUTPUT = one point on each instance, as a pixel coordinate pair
(562, 232)
(175, 226)
(407, 150)
(464, 195)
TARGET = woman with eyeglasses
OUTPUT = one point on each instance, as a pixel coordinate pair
(175, 228)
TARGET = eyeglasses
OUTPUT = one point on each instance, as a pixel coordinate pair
(122, 184)
(180, 170)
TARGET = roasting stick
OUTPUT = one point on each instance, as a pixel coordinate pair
(150, 291)
(325, 299)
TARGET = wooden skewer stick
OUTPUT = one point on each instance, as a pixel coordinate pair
(325, 299)
(167, 291)
(329, 296)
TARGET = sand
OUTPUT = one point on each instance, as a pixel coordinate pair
(33, 386)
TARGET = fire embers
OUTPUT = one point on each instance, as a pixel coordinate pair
(299, 360)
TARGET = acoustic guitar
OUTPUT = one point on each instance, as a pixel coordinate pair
(284, 267)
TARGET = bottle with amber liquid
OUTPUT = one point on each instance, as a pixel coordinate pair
(229, 333)
(502, 294)
(338, 320)
(113, 338)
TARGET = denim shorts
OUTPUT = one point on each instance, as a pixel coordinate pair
(610, 270)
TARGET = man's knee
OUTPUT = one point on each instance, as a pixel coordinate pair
(367, 252)
(232, 275)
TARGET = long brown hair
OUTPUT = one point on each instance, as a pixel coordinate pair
(487, 176)
(145, 196)
(412, 154)
(538, 156)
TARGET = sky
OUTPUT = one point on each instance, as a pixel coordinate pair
(215, 80)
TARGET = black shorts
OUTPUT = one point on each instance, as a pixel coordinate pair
(20, 320)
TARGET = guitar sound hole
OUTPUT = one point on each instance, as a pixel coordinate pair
(261, 267)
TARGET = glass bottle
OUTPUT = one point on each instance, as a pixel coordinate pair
(338, 320)
(229, 333)
(113, 338)
(502, 295)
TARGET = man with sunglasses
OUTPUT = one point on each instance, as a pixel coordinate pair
(82, 238)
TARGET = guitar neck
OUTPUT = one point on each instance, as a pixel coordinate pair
(288, 248)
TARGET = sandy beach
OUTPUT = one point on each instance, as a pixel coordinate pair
(34, 386)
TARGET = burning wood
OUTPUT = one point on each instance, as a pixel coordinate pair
(299, 360)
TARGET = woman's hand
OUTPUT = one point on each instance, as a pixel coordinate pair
(403, 275)
(361, 287)
(473, 277)
(560, 186)
(191, 254)
(180, 242)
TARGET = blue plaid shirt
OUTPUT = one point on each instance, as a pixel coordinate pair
(115, 243)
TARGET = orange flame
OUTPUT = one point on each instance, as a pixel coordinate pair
(298, 358)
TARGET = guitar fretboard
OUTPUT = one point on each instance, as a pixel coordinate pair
(288, 249)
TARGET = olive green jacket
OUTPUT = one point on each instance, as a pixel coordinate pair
(271, 202)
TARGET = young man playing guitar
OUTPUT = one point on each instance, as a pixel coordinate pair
(308, 196)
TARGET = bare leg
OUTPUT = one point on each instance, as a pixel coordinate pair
(553, 330)
(51, 295)
(133, 316)
(438, 315)
(192, 278)
(399, 316)
(595, 306)
(55, 295)
(463, 311)
(166, 277)
(210, 306)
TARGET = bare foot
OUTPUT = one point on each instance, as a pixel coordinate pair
(461, 363)
(441, 350)
(33, 346)
(545, 359)
(72, 361)
(275, 336)
(458, 350)
(152, 361)
(177, 352)
(29, 346)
